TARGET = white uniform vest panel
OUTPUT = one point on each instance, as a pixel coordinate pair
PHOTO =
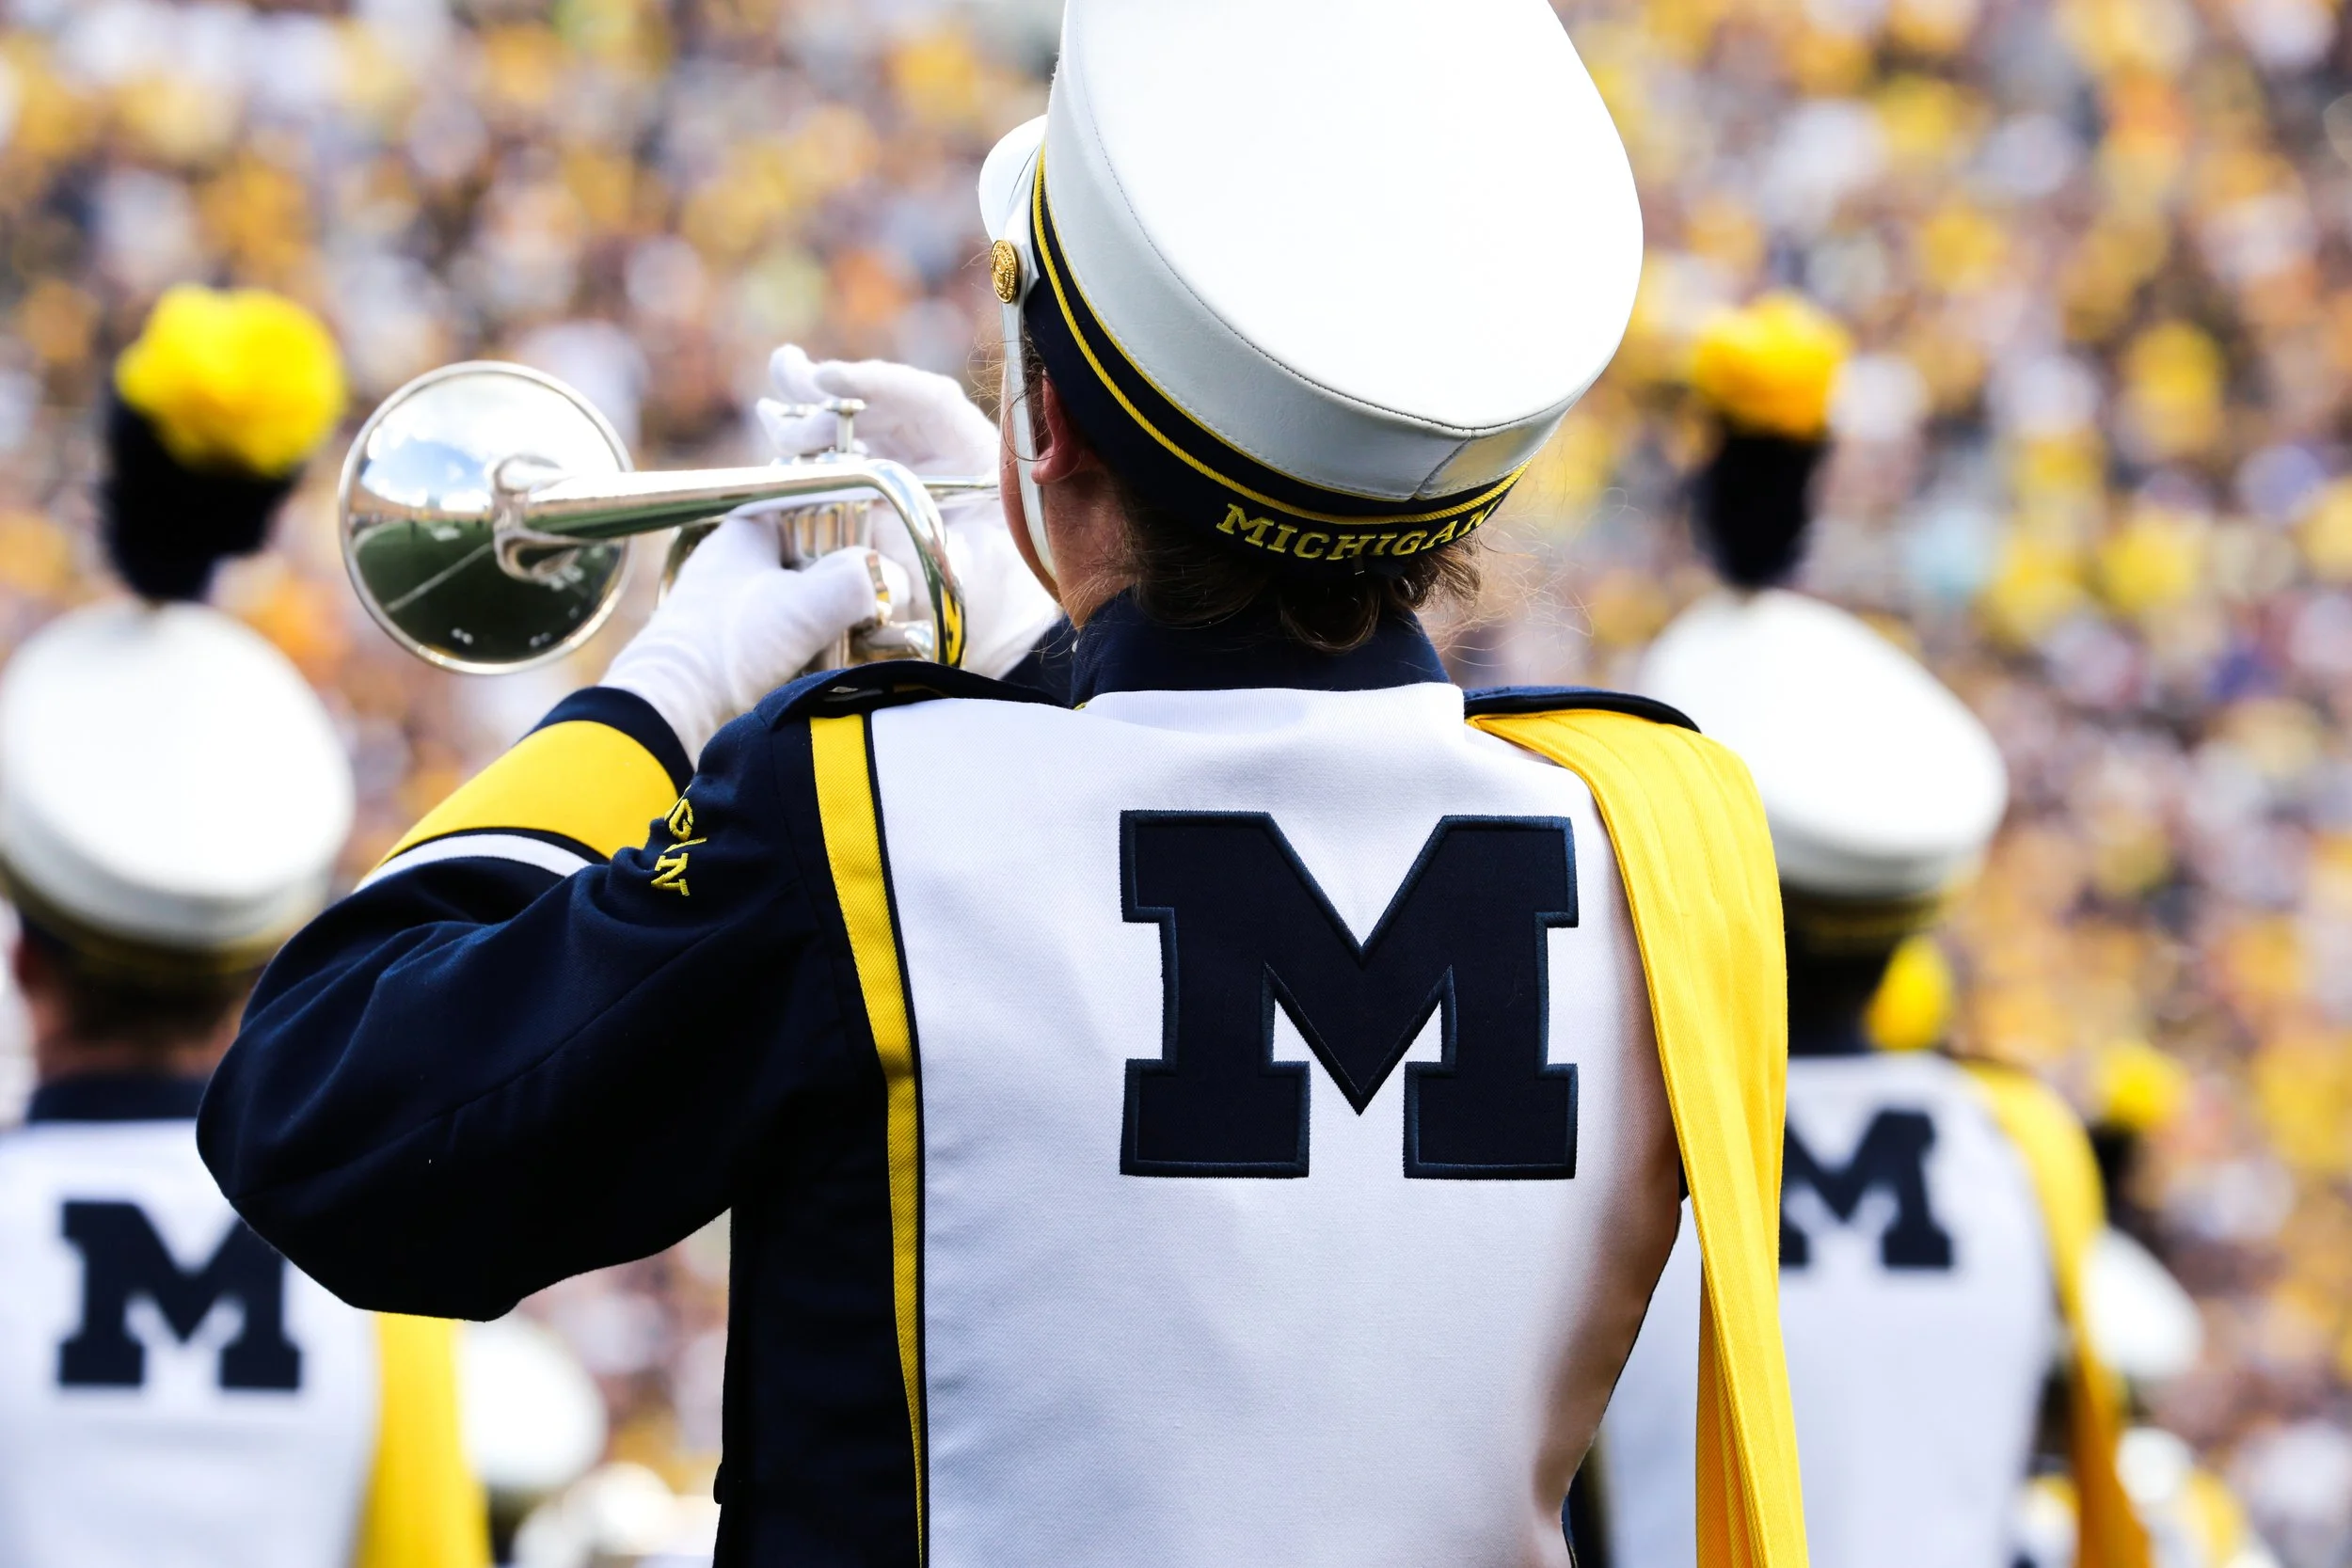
(1919, 1332)
(1352, 1366)
(107, 1459)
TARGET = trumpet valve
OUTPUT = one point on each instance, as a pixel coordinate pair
(844, 411)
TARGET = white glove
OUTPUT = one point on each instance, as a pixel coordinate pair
(736, 625)
(925, 422)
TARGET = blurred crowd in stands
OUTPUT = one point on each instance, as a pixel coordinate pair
(2093, 462)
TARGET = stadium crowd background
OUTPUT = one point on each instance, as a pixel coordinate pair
(2093, 462)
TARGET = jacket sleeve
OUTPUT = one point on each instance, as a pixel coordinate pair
(507, 1058)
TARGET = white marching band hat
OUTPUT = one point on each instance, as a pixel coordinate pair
(1878, 784)
(2145, 1324)
(1320, 276)
(169, 783)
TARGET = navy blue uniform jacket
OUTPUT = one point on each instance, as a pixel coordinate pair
(516, 1053)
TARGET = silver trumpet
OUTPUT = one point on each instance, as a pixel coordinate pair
(486, 509)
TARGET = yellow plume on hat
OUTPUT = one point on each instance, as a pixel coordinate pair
(238, 379)
(1768, 368)
(1912, 1009)
(2139, 1086)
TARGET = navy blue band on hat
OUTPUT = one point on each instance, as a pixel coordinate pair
(1190, 471)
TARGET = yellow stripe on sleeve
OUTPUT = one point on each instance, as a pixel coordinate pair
(853, 854)
(1700, 881)
(424, 1508)
(587, 781)
(2065, 1177)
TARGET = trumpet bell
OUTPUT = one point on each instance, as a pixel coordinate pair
(429, 506)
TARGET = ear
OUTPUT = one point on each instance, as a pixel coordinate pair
(1062, 450)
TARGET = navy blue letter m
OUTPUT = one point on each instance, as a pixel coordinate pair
(122, 1258)
(1243, 930)
(1891, 1157)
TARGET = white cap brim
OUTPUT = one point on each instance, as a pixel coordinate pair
(1005, 178)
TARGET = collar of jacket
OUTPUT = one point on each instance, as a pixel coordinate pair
(117, 1097)
(1842, 1040)
(1120, 649)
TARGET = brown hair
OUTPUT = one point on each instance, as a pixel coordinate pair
(106, 1004)
(1186, 577)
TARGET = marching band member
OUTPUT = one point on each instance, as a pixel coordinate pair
(172, 799)
(2148, 1332)
(2192, 1519)
(1937, 1219)
(1231, 1121)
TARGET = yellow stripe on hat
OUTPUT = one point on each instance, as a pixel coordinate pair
(1491, 496)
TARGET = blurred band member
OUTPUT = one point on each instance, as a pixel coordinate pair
(172, 801)
(1936, 1218)
(2149, 1332)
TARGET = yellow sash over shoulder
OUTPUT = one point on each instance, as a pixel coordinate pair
(424, 1508)
(1697, 865)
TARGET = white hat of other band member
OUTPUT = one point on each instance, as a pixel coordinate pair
(1877, 783)
(168, 780)
(1319, 274)
(2146, 1326)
